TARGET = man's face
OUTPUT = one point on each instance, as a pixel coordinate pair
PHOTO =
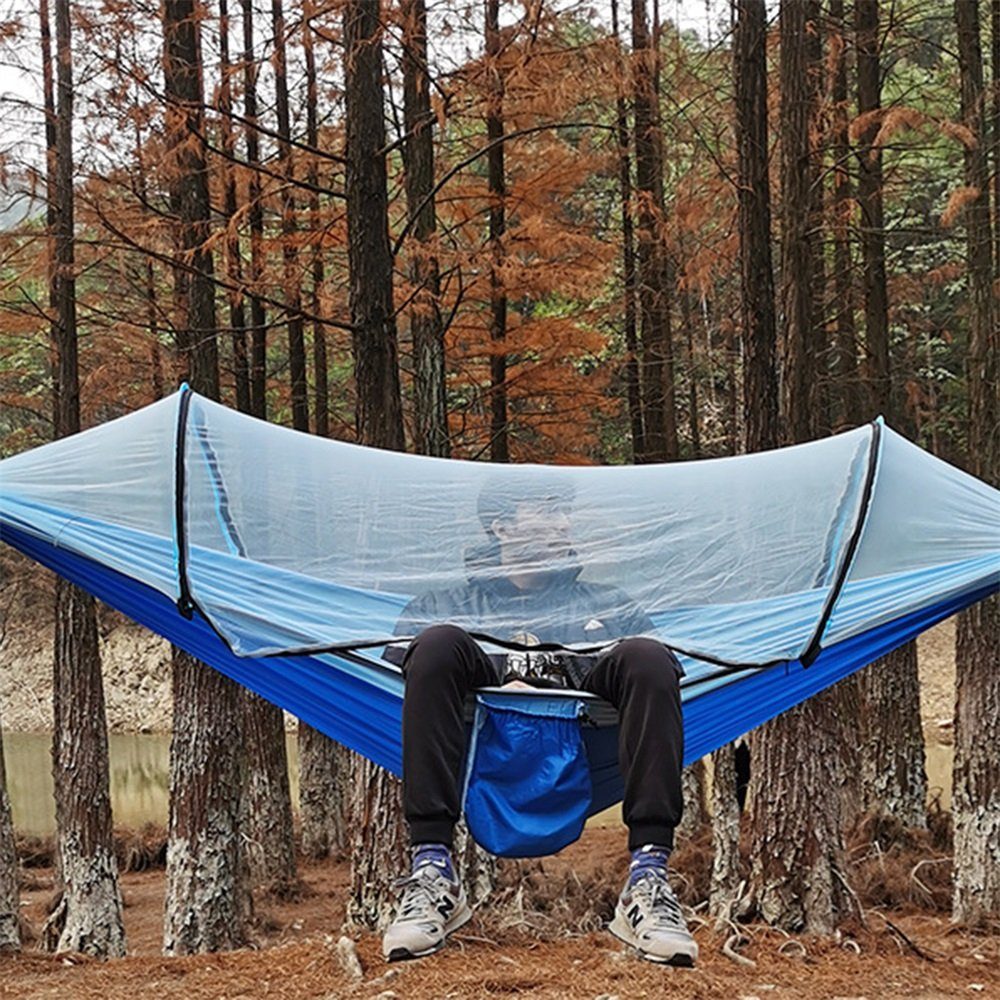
(536, 541)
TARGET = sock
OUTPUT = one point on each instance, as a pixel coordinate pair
(650, 859)
(433, 854)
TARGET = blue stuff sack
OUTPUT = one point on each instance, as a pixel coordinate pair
(527, 787)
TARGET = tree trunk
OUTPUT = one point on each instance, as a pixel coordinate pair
(976, 785)
(324, 794)
(846, 408)
(496, 182)
(89, 916)
(695, 808)
(725, 888)
(632, 378)
(797, 223)
(10, 929)
(379, 838)
(320, 376)
(268, 799)
(760, 396)
(207, 904)
(760, 384)
(255, 213)
(894, 777)
(796, 835)
(429, 389)
(234, 260)
(289, 227)
(654, 304)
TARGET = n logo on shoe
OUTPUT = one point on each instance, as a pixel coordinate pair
(634, 916)
(446, 906)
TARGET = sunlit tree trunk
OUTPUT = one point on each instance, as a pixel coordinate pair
(797, 844)
(10, 931)
(893, 770)
(207, 904)
(379, 839)
(976, 785)
(89, 915)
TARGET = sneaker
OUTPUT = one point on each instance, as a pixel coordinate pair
(648, 917)
(432, 906)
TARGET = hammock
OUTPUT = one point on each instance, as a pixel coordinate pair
(290, 562)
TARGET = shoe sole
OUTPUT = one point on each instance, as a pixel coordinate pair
(680, 959)
(405, 954)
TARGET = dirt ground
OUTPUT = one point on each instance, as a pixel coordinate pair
(901, 952)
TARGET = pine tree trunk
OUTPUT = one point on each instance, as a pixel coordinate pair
(633, 384)
(324, 799)
(376, 816)
(207, 902)
(976, 784)
(725, 835)
(234, 261)
(496, 183)
(695, 811)
(289, 225)
(10, 929)
(267, 820)
(846, 408)
(89, 917)
(255, 212)
(654, 305)
(796, 834)
(892, 739)
(429, 390)
(320, 376)
(760, 397)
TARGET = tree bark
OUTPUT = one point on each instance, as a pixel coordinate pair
(976, 785)
(695, 808)
(324, 793)
(760, 409)
(234, 258)
(207, 904)
(429, 386)
(846, 408)
(632, 378)
(659, 421)
(289, 227)
(797, 843)
(724, 889)
(10, 922)
(320, 375)
(89, 915)
(255, 213)
(379, 838)
(267, 816)
(893, 771)
(496, 183)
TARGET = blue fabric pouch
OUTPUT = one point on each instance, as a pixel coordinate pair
(527, 790)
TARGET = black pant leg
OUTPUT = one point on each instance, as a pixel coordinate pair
(641, 678)
(441, 666)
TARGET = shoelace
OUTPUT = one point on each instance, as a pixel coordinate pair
(418, 895)
(664, 910)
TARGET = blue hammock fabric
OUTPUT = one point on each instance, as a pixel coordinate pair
(309, 637)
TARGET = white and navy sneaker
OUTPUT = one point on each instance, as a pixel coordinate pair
(432, 906)
(648, 916)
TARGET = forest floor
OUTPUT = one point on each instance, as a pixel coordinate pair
(543, 941)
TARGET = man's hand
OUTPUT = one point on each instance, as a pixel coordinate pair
(516, 685)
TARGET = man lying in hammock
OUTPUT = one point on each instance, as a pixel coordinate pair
(524, 585)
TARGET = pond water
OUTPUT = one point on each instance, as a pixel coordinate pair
(140, 769)
(140, 779)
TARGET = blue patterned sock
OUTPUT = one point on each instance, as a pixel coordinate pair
(646, 860)
(433, 854)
